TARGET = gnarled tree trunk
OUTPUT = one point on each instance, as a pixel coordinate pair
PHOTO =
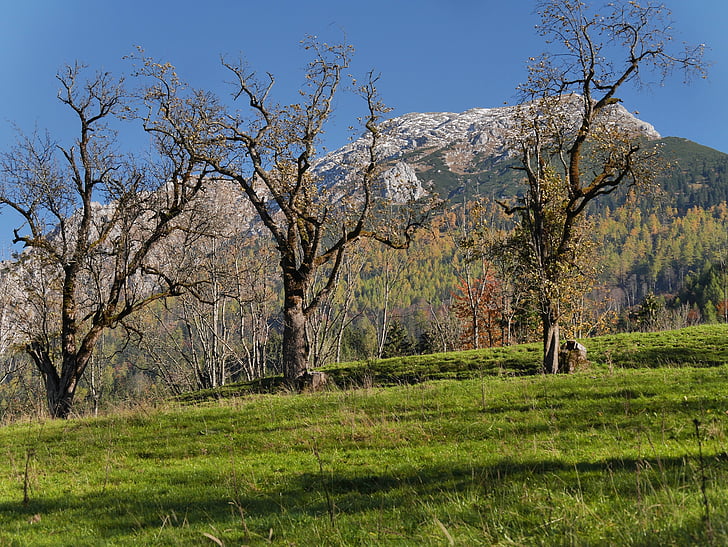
(295, 338)
(60, 388)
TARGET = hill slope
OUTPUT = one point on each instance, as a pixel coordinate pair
(611, 456)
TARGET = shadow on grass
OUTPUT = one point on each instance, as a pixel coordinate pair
(385, 373)
(653, 357)
(119, 515)
(269, 384)
(679, 356)
(508, 487)
(182, 500)
(411, 370)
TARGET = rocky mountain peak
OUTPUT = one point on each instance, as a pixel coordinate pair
(461, 141)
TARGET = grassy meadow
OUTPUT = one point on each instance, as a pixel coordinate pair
(471, 448)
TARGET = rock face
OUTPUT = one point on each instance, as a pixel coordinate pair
(400, 183)
(445, 148)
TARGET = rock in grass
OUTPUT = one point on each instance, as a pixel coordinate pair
(572, 357)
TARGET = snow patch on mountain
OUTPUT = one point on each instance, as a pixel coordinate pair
(464, 137)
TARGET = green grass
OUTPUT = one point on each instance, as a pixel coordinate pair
(489, 455)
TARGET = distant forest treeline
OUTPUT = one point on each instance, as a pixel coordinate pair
(678, 262)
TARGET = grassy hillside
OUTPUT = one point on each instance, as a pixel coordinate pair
(631, 451)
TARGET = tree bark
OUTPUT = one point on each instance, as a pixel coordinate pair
(550, 341)
(60, 389)
(295, 338)
(60, 399)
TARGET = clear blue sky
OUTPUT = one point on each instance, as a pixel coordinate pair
(433, 55)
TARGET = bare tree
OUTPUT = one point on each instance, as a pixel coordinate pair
(9, 293)
(256, 301)
(443, 329)
(474, 297)
(335, 313)
(572, 149)
(93, 224)
(218, 330)
(387, 279)
(270, 152)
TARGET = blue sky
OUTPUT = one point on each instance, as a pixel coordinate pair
(446, 55)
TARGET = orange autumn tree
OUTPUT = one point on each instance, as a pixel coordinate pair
(477, 305)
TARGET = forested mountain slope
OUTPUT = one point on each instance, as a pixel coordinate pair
(698, 178)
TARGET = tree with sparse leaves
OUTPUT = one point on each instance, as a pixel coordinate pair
(94, 221)
(475, 304)
(571, 149)
(270, 151)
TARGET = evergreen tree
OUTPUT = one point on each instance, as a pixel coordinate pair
(398, 342)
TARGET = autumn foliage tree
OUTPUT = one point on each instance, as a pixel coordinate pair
(571, 150)
(476, 304)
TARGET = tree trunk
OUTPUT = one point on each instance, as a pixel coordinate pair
(60, 390)
(60, 399)
(550, 342)
(476, 326)
(295, 339)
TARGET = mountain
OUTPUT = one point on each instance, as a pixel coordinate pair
(458, 155)
(698, 176)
